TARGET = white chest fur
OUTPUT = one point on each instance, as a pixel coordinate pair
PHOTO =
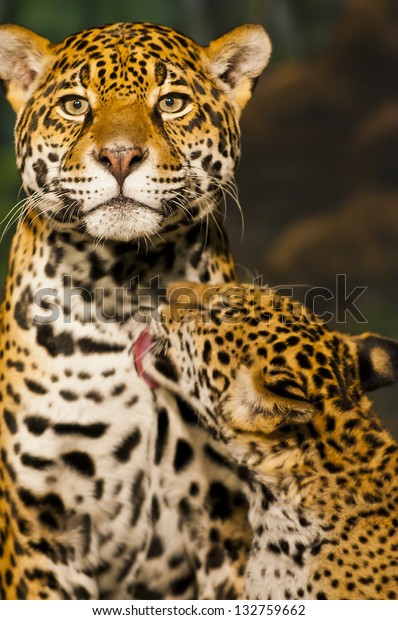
(278, 567)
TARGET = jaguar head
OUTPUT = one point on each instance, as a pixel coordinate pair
(128, 130)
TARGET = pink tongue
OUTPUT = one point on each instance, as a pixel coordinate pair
(141, 348)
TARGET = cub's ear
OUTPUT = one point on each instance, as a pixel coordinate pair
(238, 58)
(23, 57)
(255, 407)
(378, 361)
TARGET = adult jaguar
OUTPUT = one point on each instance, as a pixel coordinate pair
(126, 137)
(287, 397)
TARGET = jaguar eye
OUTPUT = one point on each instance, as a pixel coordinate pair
(172, 103)
(75, 106)
(287, 389)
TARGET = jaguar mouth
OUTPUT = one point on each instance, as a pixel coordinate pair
(120, 203)
(122, 219)
(153, 363)
(141, 348)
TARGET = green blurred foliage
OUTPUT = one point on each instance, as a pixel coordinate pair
(296, 26)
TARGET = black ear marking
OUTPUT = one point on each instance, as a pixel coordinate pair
(378, 361)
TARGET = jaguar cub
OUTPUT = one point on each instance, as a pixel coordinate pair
(285, 395)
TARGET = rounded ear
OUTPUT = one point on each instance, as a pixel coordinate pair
(23, 57)
(238, 58)
(256, 407)
(377, 360)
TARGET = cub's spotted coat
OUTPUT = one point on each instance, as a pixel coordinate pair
(286, 396)
(126, 137)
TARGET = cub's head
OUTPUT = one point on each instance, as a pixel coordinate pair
(251, 361)
(127, 130)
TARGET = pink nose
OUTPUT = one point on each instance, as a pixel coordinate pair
(120, 161)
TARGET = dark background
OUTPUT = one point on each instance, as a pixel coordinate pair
(319, 174)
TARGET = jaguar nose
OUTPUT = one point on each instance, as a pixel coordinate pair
(120, 161)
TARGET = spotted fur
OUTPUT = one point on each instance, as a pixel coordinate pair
(126, 138)
(285, 395)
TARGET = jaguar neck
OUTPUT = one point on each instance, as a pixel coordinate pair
(114, 278)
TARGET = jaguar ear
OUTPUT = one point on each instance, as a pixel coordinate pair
(378, 361)
(238, 58)
(254, 407)
(23, 57)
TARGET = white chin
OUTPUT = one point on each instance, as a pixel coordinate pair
(123, 223)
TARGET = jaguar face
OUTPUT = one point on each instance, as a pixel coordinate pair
(126, 130)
